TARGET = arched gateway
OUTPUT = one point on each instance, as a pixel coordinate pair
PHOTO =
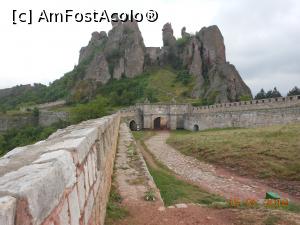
(156, 123)
(133, 125)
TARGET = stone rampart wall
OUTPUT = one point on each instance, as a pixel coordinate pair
(64, 180)
(271, 103)
(247, 118)
(45, 118)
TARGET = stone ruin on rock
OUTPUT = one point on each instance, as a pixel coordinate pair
(122, 53)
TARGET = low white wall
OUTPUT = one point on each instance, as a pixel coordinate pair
(64, 180)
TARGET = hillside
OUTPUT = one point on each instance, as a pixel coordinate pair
(161, 85)
(121, 53)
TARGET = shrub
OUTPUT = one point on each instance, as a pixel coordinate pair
(260, 95)
(13, 138)
(150, 195)
(294, 91)
(245, 98)
(182, 42)
(184, 77)
(127, 91)
(94, 109)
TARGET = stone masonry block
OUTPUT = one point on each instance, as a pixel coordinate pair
(88, 209)
(65, 159)
(74, 207)
(81, 191)
(64, 217)
(42, 184)
(93, 162)
(90, 170)
(78, 145)
(91, 133)
(7, 210)
(86, 181)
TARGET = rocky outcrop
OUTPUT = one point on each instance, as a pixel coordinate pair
(122, 53)
(213, 48)
(153, 55)
(168, 37)
(134, 50)
(98, 70)
(203, 55)
(96, 42)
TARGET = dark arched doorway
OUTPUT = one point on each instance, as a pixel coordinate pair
(196, 127)
(133, 125)
(157, 123)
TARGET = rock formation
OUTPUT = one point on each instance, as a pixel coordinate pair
(168, 37)
(122, 53)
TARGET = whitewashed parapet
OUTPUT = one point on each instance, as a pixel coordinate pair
(62, 180)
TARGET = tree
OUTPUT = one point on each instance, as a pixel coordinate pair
(273, 93)
(245, 98)
(94, 109)
(35, 112)
(294, 91)
(260, 95)
(2, 145)
(276, 93)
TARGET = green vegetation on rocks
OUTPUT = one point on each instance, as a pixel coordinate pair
(114, 210)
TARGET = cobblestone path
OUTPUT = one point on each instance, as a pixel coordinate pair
(206, 175)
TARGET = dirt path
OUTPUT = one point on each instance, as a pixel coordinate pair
(205, 175)
(132, 176)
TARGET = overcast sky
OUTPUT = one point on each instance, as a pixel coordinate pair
(262, 38)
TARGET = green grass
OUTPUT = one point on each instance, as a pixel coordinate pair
(272, 220)
(174, 190)
(269, 152)
(159, 85)
(292, 207)
(167, 87)
(114, 210)
(143, 135)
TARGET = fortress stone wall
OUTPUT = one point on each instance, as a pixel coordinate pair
(64, 180)
(45, 118)
(247, 118)
(9, 122)
(252, 113)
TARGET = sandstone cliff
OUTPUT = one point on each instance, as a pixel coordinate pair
(122, 53)
(204, 56)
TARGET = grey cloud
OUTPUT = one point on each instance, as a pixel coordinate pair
(262, 40)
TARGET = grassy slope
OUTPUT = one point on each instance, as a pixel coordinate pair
(164, 83)
(270, 152)
(174, 190)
